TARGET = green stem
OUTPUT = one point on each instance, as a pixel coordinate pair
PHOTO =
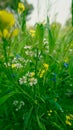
(5, 51)
(36, 64)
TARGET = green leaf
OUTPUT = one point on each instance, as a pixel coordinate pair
(50, 37)
(6, 97)
(41, 126)
(27, 118)
(57, 126)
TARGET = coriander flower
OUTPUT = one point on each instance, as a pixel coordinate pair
(23, 80)
(32, 81)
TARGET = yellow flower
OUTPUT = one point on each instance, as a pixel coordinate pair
(21, 8)
(32, 32)
(66, 59)
(13, 65)
(50, 111)
(42, 73)
(7, 19)
(49, 114)
(46, 66)
(68, 117)
(15, 32)
(53, 25)
(68, 122)
(32, 74)
(5, 33)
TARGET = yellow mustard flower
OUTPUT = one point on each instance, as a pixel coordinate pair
(13, 65)
(68, 122)
(46, 66)
(15, 32)
(68, 117)
(66, 59)
(42, 73)
(21, 8)
(53, 25)
(32, 32)
(7, 19)
(50, 111)
(32, 74)
(5, 33)
(49, 114)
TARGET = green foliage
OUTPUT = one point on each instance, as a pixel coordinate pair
(36, 78)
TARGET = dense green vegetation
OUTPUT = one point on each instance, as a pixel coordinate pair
(36, 74)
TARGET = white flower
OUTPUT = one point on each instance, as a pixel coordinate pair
(18, 104)
(15, 102)
(14, 60)
(28, 79)
(18, 65)
(29, 53)
(45, 41)
(32, 81)
(22, 103)
(27, 47)
(23, 80)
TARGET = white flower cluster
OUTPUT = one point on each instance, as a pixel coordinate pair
(46, 45)
(16, 62)
(18, 104)
(28, 79)
(28, 50)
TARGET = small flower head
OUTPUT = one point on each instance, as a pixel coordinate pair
(13, 65)
(49, 112)
(15, 32)
(66, 60)
(7, 19)
(32, 32)
(5, 33)
(21, 8)
(68, 117)
(32, 81)
(45, 66)
(32, 74)
(41, 73)
(68, 122)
